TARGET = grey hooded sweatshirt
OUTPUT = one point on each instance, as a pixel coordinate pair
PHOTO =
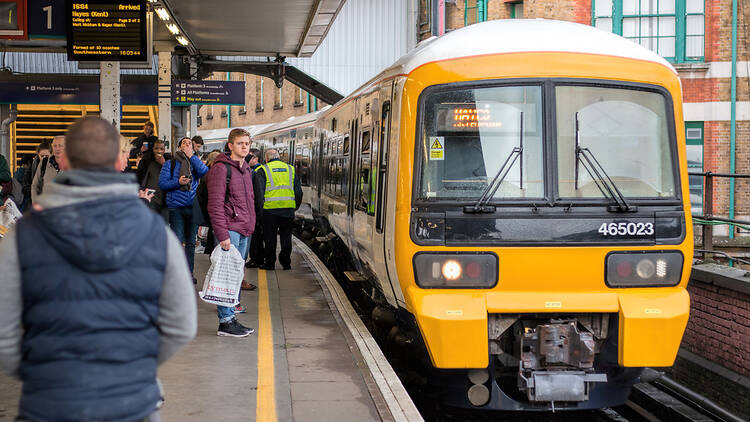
(177, 315)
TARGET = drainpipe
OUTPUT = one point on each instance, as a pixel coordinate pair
(733, 124)
(229, 111)
(5, 133)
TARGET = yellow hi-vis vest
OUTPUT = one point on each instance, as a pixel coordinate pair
(279, 185)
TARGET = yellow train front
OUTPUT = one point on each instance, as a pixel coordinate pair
(543, 234)
(518, 191)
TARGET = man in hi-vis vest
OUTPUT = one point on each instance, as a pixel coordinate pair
(282, 195)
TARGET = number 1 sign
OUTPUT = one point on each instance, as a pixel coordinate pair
(13, 19)
(46, 18)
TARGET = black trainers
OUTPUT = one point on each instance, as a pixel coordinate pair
(232, 329)
(248, 330)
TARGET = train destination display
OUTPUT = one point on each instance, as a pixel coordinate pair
(100, 30)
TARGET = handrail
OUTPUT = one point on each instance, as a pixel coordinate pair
(724, 254)
(709, 173)
(708, 207)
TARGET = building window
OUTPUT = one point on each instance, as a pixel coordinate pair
(516, 10)
(258, 93)
(694, 140)
(299, 99)
(475, 11)
(277, 98)
(674, 29)
(243, 110)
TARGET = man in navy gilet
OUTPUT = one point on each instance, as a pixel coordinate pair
(99, 296)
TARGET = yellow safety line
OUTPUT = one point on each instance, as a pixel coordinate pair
(265, 409)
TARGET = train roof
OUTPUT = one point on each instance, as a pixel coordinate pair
(292, 122)
(524, 35)
(505, 36)
(223, 133)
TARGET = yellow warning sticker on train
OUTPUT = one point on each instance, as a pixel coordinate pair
(553, 305)
(437, 148)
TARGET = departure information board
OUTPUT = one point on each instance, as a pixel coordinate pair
(102, 30)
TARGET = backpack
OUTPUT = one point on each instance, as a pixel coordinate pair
(229, 176)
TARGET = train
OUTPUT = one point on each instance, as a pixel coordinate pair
(515, 193)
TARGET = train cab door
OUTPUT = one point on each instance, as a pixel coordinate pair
(362, 219)
(318, 174)
(380, 158)
(353, 171)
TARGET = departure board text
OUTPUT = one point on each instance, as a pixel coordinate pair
(102, 30)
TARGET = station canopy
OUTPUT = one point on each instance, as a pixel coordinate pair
(292, 28)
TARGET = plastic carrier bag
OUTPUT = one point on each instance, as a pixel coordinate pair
(8, 216)
(224, 277)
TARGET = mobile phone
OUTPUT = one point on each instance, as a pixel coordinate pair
(150, 191)
(145, 144)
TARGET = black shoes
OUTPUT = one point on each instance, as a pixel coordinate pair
(233, 329)
(286, 267)
(252, 264)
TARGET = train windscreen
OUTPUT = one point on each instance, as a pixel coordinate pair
(468, 135)
(626, 130)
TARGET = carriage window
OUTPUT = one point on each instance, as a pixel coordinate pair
(468, 135)
(366, 141)
(625, 130)
(364, 200)
(302, 164)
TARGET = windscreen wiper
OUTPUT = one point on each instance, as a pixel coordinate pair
(608, 188)
(481, 205)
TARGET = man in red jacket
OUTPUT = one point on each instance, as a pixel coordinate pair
(231, 209)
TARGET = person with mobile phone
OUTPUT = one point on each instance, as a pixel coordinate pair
(179, 180)
(148, 173)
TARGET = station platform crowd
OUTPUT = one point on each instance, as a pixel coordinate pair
(121, 243)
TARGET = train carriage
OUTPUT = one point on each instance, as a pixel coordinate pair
(518, 189)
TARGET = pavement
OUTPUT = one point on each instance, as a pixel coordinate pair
(297, 366)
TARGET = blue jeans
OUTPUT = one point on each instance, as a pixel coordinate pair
(240, 242)
(181, 221)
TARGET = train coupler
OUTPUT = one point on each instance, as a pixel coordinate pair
(557, 363)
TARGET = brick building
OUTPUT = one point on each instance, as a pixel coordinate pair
(264, 103)
(694, 35)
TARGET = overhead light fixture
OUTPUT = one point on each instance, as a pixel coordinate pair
(152, 1)
(163, 13)
(182, 40)
(173, 28)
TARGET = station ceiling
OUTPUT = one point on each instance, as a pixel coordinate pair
(292, 28)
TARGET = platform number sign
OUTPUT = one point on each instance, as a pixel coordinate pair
(46, 18)
(13, 19)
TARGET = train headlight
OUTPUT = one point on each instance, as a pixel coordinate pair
(475, 270)
(644, 269)
(451, 270)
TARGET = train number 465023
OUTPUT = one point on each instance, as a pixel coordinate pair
(626, 229)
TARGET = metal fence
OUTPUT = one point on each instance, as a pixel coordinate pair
(708, 220)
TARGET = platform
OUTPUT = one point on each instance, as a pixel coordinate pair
(307, 361)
